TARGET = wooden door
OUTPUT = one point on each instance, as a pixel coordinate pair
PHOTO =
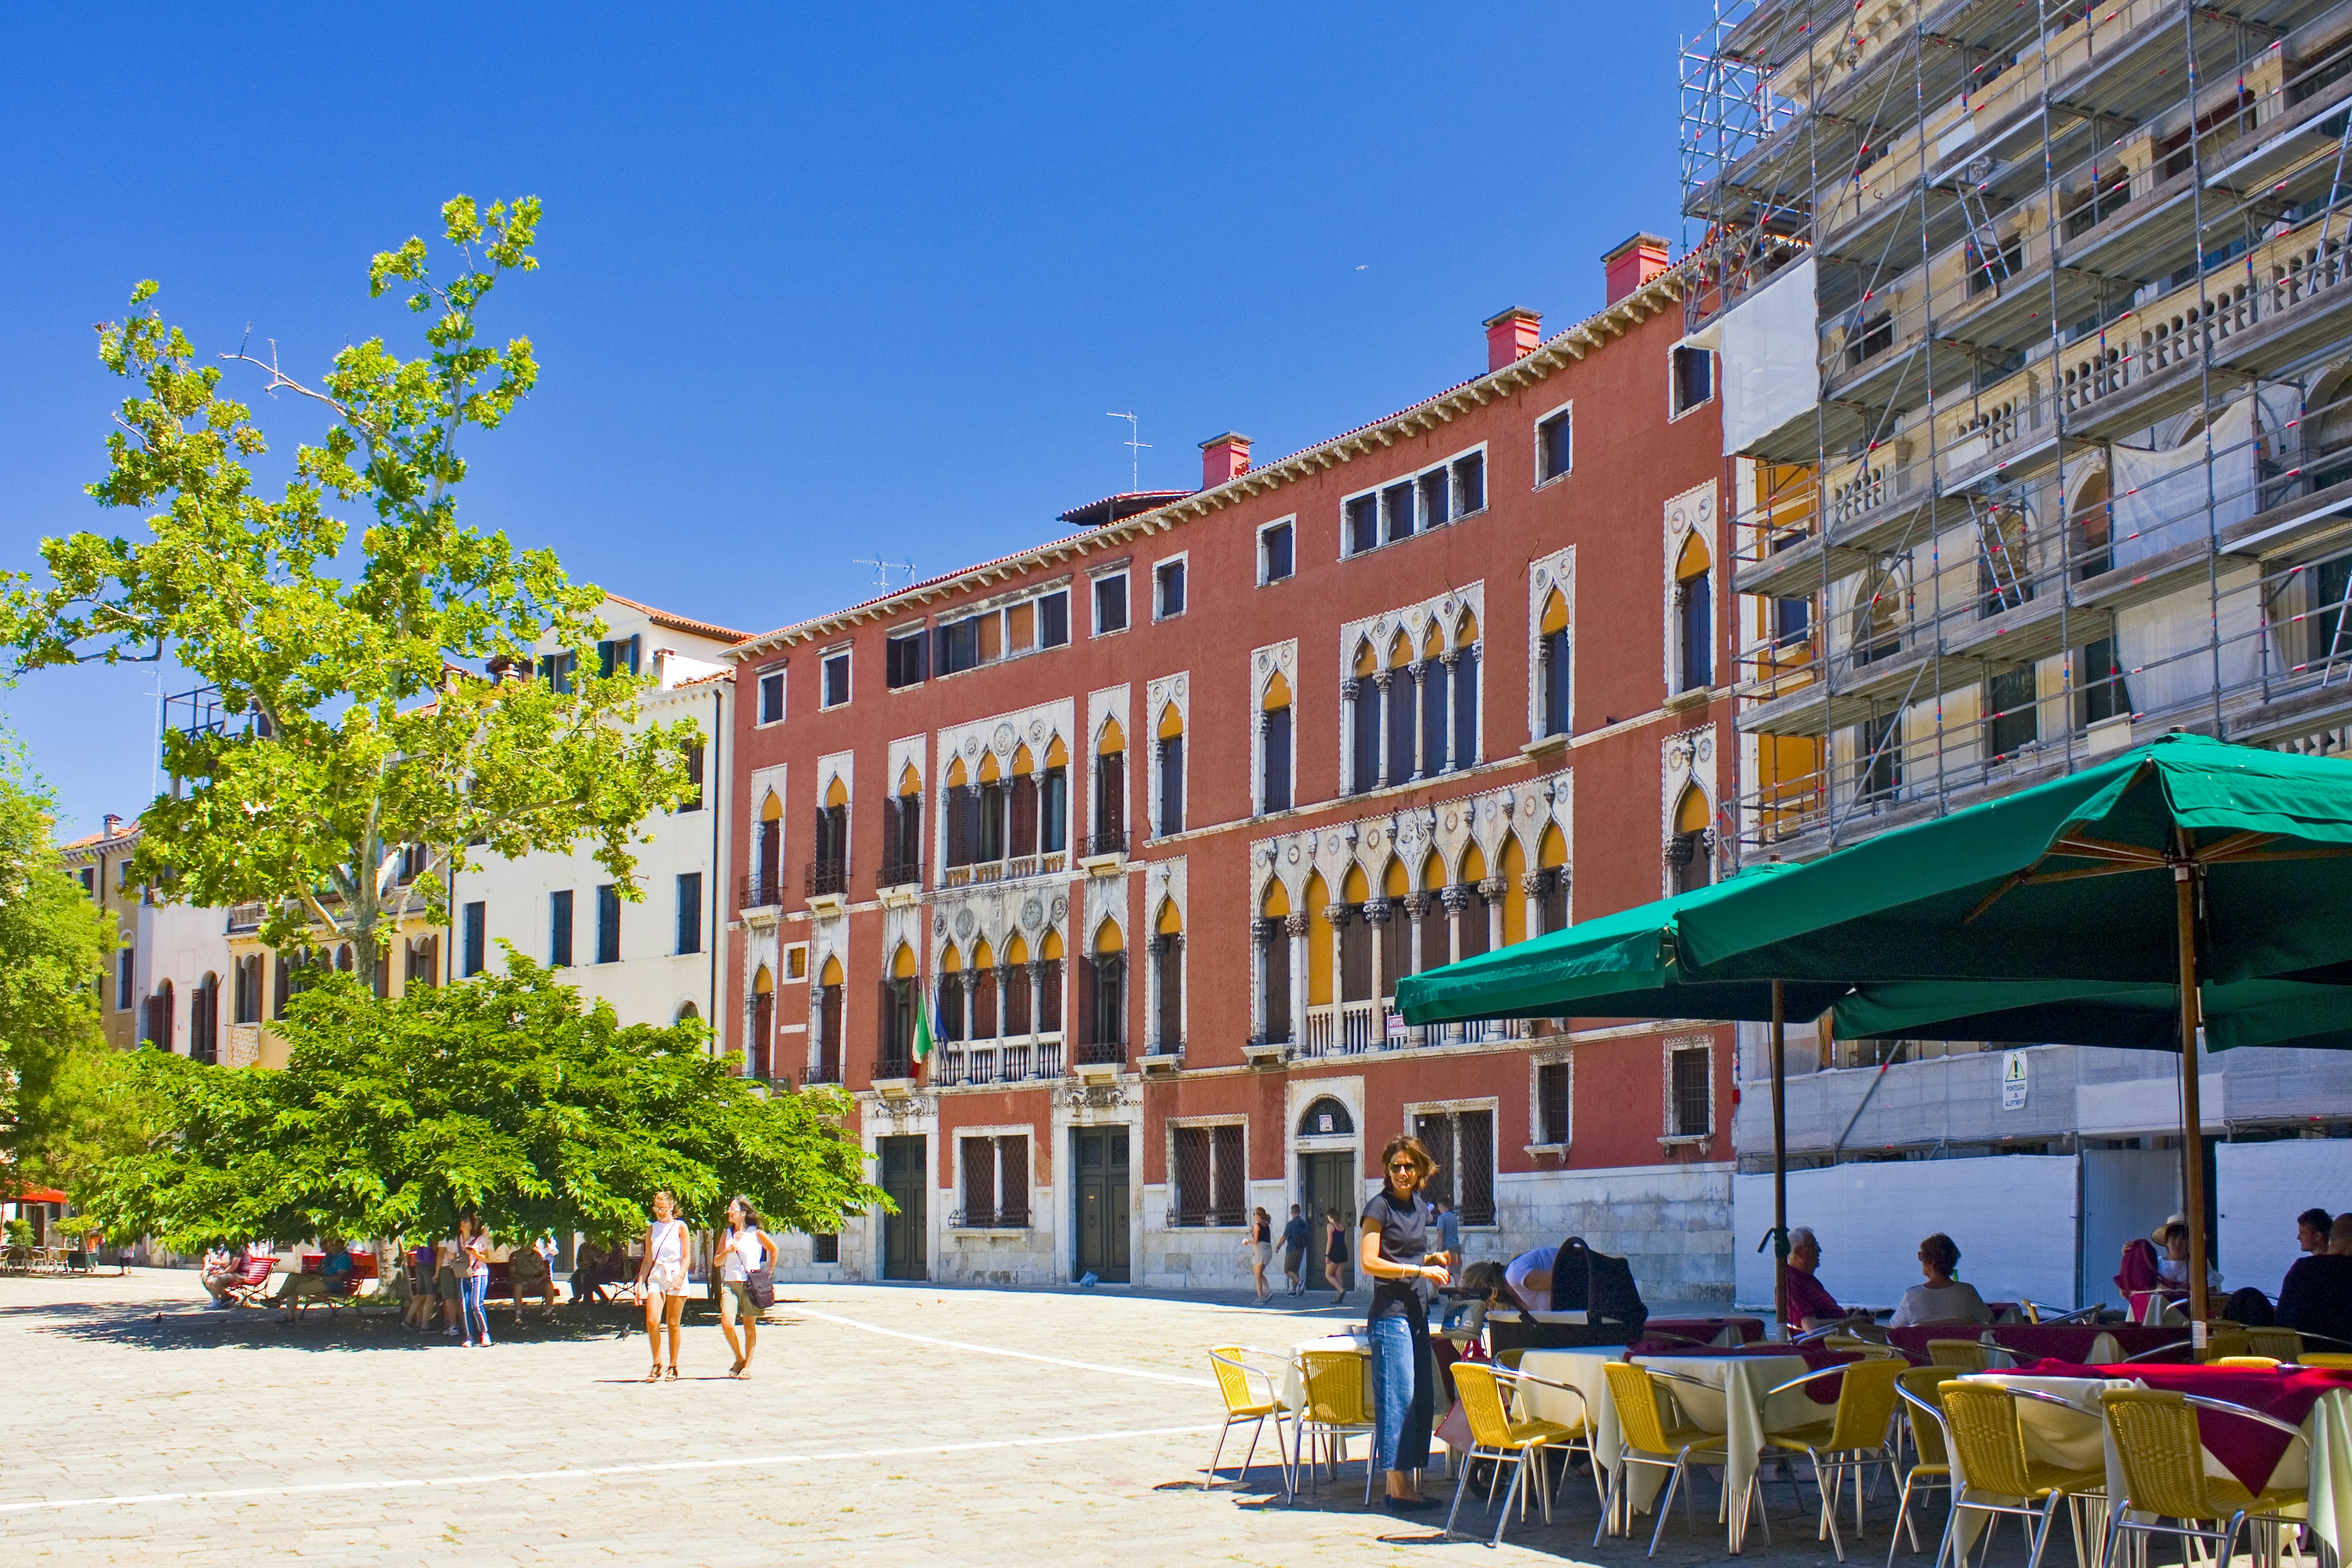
(1100, 1157)
(906, 1176)
(1330, 1183)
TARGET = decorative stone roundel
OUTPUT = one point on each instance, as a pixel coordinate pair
(1036, 732)
(1451, 820)
(1294, 854)
(1061, 911)
(938, 925)
(1705, 748)
(963, 924)
(970, 747)
(1032, 913)
(1331, 844)
(1007, 737)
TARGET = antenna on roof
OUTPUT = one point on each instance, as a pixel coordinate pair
(882, 569)
(1135, 445)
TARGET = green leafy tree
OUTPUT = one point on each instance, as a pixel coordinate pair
(61, 1107)
(503, 1097)
(362, 721)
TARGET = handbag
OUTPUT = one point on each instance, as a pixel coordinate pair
(760, 1282)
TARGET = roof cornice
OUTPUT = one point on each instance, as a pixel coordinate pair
(1587, 336)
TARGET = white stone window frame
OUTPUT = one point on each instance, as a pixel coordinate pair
(1265, 663)
(1159, 696)
(1669, 1136)
(1122, 570)
(1455, 512)
(1167, 1151)
(994, 1132)
(1691, 512)
(1543, 1140)
(1535, 429)
(785, 956)
(1491, 1105)
(1556, 571)
(1182, 561)
(845, 652)
(1379, 632)
(1168, 888)
(1290, 522)
(760, 677)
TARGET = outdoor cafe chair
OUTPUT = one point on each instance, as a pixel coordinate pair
(2335, 1361)
(2161, 1451)
(2279, 1345)
(1244, 1406)
(1931, 1448)
(1853, 1439)
(1331, 1410)
(1650, 1440)
(1960, 1356)
(2223, 1339)
(1494, 1437)
(1989, 1451)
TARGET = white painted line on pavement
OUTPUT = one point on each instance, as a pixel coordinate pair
(1016, 1355)
(597, 1472)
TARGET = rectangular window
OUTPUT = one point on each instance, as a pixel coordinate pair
(959, 644)
(693, 801)
(1053, 836)
(995, 1181)
(1694, 377)
(772, 697)
(476, 937)
(2012, 722)
(608, 923)
(1168, 590)
(1110, 604)
(559, 669)
(616, 656)
(124, 978)
(1363, 523)
(837, 679)
(558, 930)
(1396, 512)
(1552, 1103)
(1436, 498)
(902, 661)
(1275, 557)
(1209, 1168)
(2101, 682)
(1692, 1085)
(824, 1249)
(1053, 620)
(1469, 483)
(1555, 447)
(89, 880)
(1172, 786)
(1462, 1143)
(1879, 756)
(689, 912)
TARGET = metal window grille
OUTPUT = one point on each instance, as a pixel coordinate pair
(825, 1249)
(979, 1180)
(1694, 1106)
(1209, 1176)
(1463, 1144)
(1552, 1103)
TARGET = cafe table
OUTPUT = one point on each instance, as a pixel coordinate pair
(2318, 1401)
(1582, 1370)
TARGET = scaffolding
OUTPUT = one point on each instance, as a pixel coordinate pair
(2071, 464)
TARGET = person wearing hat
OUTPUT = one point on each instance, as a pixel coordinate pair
(2171, 1240)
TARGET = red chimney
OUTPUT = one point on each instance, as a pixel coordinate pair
(1512, 335)
(1223, 458)
(1632, 264)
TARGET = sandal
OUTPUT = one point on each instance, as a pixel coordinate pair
(673, 1375)
(655, 1375)
(737, 1370)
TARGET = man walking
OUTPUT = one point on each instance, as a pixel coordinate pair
(1294, 1250)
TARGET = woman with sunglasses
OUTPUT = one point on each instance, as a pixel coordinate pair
(1399, 1251)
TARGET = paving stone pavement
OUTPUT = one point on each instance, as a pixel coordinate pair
(882, 1423)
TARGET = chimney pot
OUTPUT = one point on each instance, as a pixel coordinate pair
(1632, 264)
(1224, 459)
(113, 826)
(1513, 335)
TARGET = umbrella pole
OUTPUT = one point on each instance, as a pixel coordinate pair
(2192, 1121)
(1781, 1158)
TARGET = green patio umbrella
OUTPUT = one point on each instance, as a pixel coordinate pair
(2182, 862)
(2133, 1018)
(1626, 965)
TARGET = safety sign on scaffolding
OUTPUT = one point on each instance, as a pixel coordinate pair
(2012, 1081)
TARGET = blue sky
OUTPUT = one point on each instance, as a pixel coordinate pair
(818, 283)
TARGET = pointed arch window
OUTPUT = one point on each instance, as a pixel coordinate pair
(1693, 616)
(1274, 732)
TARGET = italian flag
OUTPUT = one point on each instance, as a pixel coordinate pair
(923, 1033)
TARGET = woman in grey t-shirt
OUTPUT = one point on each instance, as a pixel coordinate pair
(1399, 1251)
(1942, 1300)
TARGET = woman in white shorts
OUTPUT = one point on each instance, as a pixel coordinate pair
(744, 1248)
(661, 1281)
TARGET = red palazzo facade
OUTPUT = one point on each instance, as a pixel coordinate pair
(1136, 830)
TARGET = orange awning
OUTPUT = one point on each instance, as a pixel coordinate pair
(35, 1195)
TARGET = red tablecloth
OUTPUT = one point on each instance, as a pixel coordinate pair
(1703, 1330)
(2247, 1449)
(2058, 1341)
(1824, 1392)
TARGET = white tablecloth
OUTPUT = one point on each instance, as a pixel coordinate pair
(1733, 1402)
(1355, 1341)
(1580, 1369)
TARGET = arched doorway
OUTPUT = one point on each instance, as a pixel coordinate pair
(1330, 1162)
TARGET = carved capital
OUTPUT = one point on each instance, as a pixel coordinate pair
(1457, 899)
(1348, 686)
(1166, 942)
(1450, 657)
(1036, 968)
(1265, 930)
(1494, 887)
(1378, 910)
(1381, 677)
(1416, 907)
(1418, 669)
(1295, 923)
(1535, 884)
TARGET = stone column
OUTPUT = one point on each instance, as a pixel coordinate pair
(1296, 924)
(1416, 911)
(1450, 661)
(1262, 933)
(1455, 897)
(1349, 687)
(1376, 912)
(1381, 680)
(1493, 888)
(1003, 998)
(1036, 968)
(1419, 670)
(1534, 885)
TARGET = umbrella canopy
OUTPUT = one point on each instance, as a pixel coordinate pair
(1621, 965)
(2040, 885)
(2071, 1013)
(34, 1195)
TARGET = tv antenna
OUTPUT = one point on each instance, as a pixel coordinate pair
(1134, 445)
(882, 569)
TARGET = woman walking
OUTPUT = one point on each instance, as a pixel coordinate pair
(1335, 1256)
(1259, 1251)
(661, 1281)
(473, 1243)
(746, 1250)
(1401, 1252)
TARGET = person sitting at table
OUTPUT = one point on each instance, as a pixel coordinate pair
(1526, 1279)
(1811, 1305)
(1942, 1300)
(2311, 1228)
(2315, 1300)
(589, 1274)
(2172, 1268)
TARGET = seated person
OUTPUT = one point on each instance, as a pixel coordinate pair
(2311, 1228)
(337, 1268)
(221, 1271)
(2315, 1300)
(1527, 1279)
(590, 1271)
(1942, 1298)
(528, 1275)
(2172, 1268)
(1811, 1305)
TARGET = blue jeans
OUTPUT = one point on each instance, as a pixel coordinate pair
(1403, 1389)
(475, 1323)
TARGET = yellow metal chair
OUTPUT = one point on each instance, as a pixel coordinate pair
(2162, 1453)
(2253, 1363)
(2335, 1360)
(2279, 1345)
(1650, 1440)
(1331, 1408)
(1495, 1436)
(1853, 1439)
(1931, 1464)
(2226, 1339)
(1988, 1452)
(1246, 1405)
(1960, 1356)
